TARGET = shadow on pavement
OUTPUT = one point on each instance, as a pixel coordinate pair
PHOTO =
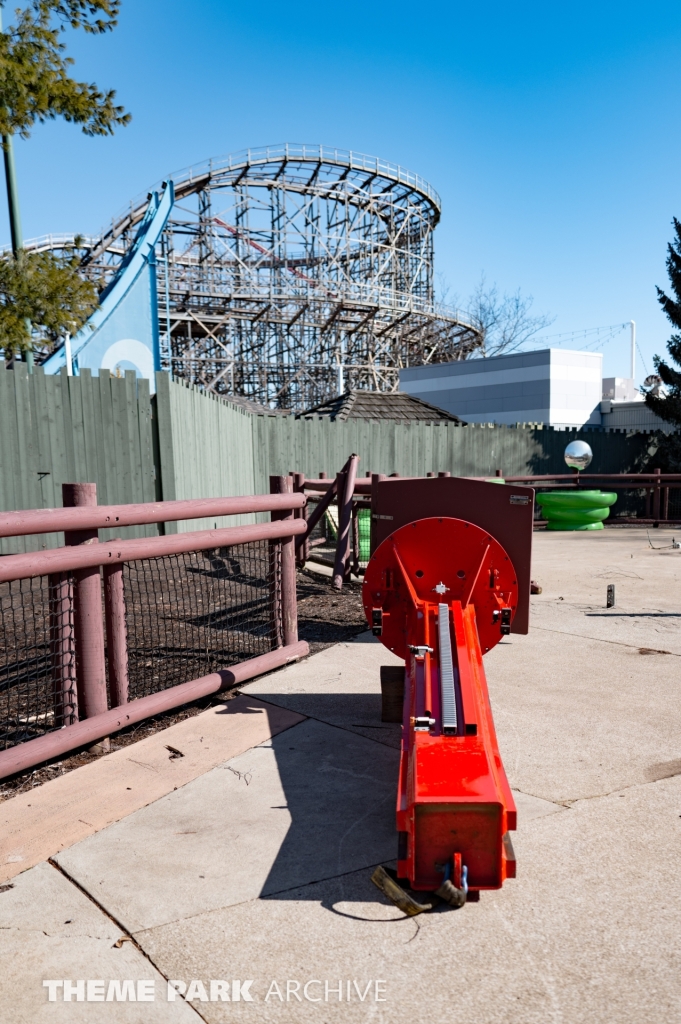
(339, 788)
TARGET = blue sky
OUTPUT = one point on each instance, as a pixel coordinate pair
(549, 130)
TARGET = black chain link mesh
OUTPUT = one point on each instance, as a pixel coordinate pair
(37, 658)
(190, 614)
(186, 615)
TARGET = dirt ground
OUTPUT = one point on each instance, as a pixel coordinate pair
(325, 617)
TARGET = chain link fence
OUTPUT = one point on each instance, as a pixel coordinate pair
(37, 657)
(187, 615)
(191, 614)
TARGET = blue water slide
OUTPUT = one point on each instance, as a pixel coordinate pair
(122, 334)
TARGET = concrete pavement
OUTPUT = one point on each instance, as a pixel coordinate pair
(258, 868)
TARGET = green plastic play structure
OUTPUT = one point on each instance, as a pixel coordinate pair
(575, 510)
(364, 528)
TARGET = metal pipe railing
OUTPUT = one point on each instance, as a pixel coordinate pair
(61, 741)
(76, 625)
(651, 478)
(87, 606)
(101, 517)
(57, 560)
(362, 485)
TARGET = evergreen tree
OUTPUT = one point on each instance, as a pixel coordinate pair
(35, 84)
(42, 292)
(668, 408)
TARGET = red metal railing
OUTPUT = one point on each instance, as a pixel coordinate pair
(656, 486)
(74, 574)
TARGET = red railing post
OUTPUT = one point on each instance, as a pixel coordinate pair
(276, 486)
(375, 478)
(289, 595)
(87, 613)
(285, 606)
(656, 496)
(355, 539)
(116, 634)
(301, 513)
(62, 650)
(341, 567)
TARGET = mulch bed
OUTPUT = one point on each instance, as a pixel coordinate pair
(325, 617)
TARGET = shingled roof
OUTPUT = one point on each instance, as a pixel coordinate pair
(254, 407)
(379, 405)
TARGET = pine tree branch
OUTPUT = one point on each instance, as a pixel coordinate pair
(35, 84)
(45, 289)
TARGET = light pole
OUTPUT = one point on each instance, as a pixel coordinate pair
(14, 212)
(633, 350)
(67, 355)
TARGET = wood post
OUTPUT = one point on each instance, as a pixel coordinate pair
(87, 614)
(116, 634)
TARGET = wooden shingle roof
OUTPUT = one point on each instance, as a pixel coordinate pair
(254, 407)
(379, 405)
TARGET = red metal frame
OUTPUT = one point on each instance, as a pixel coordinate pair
(507, 513)
(435, 591)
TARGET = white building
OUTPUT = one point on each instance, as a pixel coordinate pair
(555, 386)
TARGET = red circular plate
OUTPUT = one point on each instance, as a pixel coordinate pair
(439, 553)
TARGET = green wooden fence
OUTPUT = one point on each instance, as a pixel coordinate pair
(413, 449)
(59, 429)
(184, 443)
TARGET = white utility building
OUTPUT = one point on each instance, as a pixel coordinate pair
(555, 386)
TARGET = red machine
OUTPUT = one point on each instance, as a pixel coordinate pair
(440, 592)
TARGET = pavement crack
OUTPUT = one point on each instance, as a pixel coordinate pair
(602, 640)
(621, 789)
(125, 937)
(260, 896)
